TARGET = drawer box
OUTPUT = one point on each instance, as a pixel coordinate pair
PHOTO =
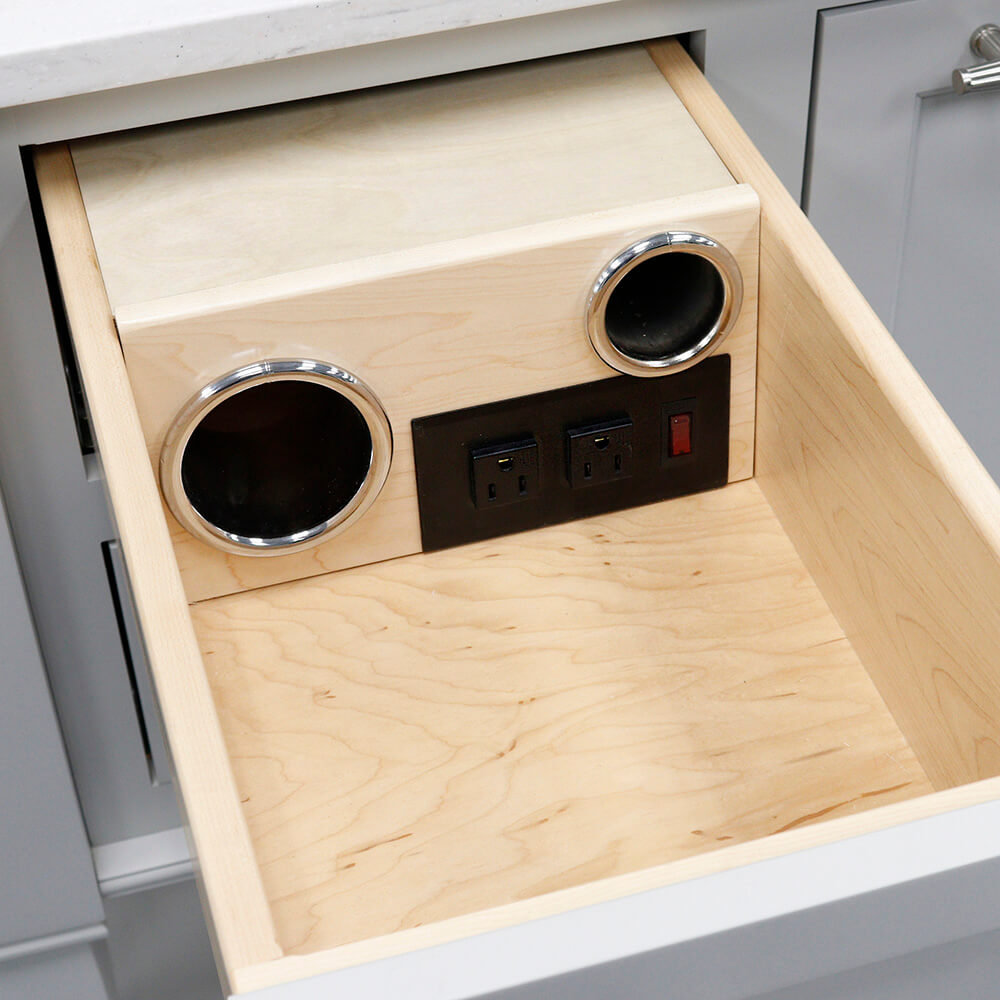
(412, 751)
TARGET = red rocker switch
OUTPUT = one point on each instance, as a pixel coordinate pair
(680, 435)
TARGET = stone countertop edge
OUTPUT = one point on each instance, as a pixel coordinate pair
(51, 49)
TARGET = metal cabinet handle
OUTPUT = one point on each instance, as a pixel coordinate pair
(985, 43)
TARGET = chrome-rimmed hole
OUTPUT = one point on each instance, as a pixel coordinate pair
(664, 303)
(276, 456)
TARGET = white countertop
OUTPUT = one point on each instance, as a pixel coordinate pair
(57, 48)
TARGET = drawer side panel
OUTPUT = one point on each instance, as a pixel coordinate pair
(243, 930)
(892, 512)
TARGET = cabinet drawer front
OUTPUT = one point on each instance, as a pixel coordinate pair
(381, 759)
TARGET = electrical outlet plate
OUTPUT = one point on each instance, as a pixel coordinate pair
(445, 444)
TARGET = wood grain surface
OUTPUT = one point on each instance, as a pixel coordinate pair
(892, 512)
(437, 239)
(430, 330)
(362, 174)
(450, 732)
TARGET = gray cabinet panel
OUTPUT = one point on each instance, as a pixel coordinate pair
(904, 187)
(946, 308)
(760, 61)
(56, 502)
(963, 969)
(47, 881)
(66, 973)
(158, 946)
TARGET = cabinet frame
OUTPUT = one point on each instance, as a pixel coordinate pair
(915, 458)
(874, 858)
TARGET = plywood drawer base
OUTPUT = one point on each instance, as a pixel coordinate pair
(431, 736)
(402, 754)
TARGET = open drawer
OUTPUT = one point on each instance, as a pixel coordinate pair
(402, 749)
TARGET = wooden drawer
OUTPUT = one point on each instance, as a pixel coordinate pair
(380, 755)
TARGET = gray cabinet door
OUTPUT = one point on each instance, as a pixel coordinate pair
(56, 503)
(47, 882)
(904, 185)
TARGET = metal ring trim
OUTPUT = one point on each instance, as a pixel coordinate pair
(654, 246)
(239, 380)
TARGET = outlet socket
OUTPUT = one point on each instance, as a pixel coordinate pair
(504, 473)
(599, 452)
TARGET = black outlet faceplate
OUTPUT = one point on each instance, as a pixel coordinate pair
(444, 444)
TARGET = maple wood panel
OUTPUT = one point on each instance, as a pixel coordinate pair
(430, 330)
(223, 200)
(441, 734)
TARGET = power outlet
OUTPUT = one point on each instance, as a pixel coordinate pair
(504, 473)
(618, 427)
(599, 453)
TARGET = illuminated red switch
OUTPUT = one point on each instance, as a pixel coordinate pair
(680, 435)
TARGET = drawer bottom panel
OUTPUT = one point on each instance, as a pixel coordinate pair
(443, 733)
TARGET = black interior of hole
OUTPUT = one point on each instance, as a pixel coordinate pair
(664, 306)
(276, 459)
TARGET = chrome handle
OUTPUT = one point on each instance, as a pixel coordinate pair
(985, 43)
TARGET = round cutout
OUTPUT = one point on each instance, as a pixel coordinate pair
(664, 303)
(277, 455)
